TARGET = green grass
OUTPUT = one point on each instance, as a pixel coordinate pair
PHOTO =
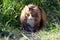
(42, 35)
(10, 28)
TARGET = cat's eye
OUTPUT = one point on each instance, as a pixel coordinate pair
(28, 14)
(34, 15)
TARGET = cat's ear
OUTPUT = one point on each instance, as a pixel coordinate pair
(23, 14)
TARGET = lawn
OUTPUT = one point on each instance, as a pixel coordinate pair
(10, 26)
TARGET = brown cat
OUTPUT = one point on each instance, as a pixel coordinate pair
(33, 18)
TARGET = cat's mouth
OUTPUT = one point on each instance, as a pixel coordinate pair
(30, 25)
(31, 22)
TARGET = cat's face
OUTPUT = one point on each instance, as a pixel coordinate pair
(32, 14)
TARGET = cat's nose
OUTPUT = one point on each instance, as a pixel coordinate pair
(30, 17)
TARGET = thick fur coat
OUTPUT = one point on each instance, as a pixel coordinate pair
(32, 18)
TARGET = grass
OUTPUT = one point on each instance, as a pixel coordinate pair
(42, 35)
(10, 28)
